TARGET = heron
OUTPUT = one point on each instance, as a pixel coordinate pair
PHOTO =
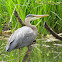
(25, 35)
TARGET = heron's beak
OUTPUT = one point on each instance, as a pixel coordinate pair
(39, 16)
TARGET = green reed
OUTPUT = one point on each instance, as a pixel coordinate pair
(26, 7)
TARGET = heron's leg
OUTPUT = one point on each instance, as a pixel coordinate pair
(19, 54)
(29, 52)
(27, 55)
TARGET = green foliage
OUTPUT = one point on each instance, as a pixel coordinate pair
(25, 7)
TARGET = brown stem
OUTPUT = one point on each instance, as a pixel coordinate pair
(18, 18)
(52, 32)
(19, 54)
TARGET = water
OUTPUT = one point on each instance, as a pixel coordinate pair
(43, 51)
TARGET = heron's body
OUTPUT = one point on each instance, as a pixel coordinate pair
(20, 38)
(23, 36)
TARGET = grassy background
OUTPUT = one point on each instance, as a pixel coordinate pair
(40, 53)
(51, 7)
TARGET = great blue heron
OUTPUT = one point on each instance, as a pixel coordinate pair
(25, 35)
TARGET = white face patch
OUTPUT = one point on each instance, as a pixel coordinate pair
(33, 18)
(30, 19)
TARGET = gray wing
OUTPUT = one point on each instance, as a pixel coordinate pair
(20, 38)
(27, 40)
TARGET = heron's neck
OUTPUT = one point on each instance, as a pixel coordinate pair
(31, 26)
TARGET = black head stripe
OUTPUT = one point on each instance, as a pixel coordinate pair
(30, 15)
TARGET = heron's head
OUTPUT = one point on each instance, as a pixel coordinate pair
(31, 17)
